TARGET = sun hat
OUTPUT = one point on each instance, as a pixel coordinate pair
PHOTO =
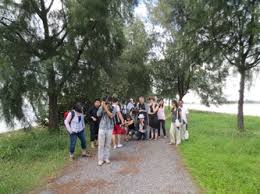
(141, 116)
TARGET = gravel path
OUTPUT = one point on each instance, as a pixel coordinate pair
(139, 167)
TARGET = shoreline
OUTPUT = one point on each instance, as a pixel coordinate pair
(190, 109)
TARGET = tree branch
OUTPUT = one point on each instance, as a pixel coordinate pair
(48, 9)
(74, 65)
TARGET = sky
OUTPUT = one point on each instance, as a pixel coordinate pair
(231, 88)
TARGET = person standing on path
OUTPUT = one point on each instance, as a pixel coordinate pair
(153, 119)
(161, 118)
(184, 117)
(94, 123)
(106, 125)
(175, 136)
(118, 130)
(130, 105)
(75, 126)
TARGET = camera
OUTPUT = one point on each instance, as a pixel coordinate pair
(108, 103)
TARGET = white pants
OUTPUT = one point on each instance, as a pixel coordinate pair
(183, 131)
(175, 134)
(104, 144)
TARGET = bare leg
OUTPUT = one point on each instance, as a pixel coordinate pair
(114, 140)
(118, 139)
(156, 135)
(152, 133)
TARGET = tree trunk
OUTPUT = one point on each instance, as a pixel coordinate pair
(53, 100)
(53, 112)
(240, 115)
(181, 96)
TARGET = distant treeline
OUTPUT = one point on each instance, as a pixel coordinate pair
(246, 102)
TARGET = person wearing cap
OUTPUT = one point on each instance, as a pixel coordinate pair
(143, 108)
(141, 128)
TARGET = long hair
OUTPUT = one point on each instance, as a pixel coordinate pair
(176, 104)
(161, 105)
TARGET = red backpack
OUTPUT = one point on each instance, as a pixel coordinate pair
(67, 113)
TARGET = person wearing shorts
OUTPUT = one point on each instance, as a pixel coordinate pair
(118, 131)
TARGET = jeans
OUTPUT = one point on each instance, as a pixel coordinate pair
(73, 140)
(104, 144)
(162, 126)
(93, 131)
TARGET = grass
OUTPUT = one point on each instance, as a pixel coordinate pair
(220, 159)
(28, 158)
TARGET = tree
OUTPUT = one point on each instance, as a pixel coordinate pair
(231, 28)
(187, 63)
(234, 28)
(135, 60)
(44, 50)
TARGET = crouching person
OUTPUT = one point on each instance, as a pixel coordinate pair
(106, 125)
(141, 128)
(75, 126)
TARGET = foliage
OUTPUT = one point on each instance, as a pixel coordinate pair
(230, 30)
(50, 52)
(187, 62)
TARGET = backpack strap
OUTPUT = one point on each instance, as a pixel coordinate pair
(72, 116)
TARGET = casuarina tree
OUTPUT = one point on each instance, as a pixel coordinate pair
(46, 44)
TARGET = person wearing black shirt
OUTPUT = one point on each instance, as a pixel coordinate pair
(94, 122)
(153, 119)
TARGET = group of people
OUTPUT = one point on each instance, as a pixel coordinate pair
(112, 123)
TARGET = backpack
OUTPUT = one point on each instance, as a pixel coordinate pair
(117, 119)
(67, 113)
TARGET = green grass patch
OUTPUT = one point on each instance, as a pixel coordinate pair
(220, 159)
(28, 158)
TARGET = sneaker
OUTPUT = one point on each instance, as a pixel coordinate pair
(100, 163)
(92, 145)
(170, 143)
(107, 161)
(119, 145)
(72, 157)
(85, 154)
(115, 146)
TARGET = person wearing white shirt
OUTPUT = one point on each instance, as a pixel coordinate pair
(130, 105)
(75, 126)
(184, 116)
